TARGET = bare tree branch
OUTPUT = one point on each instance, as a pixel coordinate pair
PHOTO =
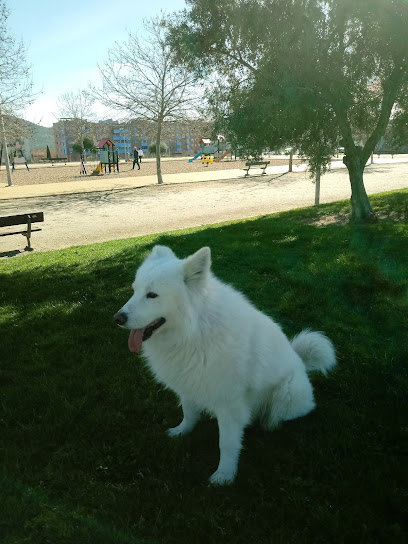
(16, 85)
(140, 80)
(77, 106)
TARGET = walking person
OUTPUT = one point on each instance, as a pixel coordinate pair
(135, 158)
(140, 152)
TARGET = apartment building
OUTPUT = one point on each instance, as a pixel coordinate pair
(182, 140)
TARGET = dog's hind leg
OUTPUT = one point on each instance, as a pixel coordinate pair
(231, 426)
(191, 416)
(291, 399)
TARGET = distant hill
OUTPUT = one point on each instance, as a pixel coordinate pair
(38, 137)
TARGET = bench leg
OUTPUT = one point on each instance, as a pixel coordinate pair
(28, 246)
(28, 235)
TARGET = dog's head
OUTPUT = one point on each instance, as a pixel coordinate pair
(162, 288)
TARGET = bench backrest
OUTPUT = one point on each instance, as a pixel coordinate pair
(21, 219)
(256, 163)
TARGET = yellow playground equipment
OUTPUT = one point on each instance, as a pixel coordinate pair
(98, 169)
(207, 159)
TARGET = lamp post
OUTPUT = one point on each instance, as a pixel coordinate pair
(124, 140)
(6, 157)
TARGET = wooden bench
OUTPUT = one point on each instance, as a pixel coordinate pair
(59, 159)
(24, 219)
(391, 152)
(55, 159)
(260, 164)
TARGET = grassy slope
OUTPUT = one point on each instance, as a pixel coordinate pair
(84, 454)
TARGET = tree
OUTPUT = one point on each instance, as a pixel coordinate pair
(140, 80)
(305, 72)
(89, 145)
(152, 148)
(86, 145)
(48, 153)
(77, 148)
(77, 107)
(16, 86)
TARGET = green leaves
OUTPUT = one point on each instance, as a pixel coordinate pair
(303, 73)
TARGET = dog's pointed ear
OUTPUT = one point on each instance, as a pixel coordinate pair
(197, 267)
(160, 252)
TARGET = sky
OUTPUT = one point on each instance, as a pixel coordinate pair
(66, 41)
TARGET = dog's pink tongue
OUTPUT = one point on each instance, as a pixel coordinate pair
(135, 340)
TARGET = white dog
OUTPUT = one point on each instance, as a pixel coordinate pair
(217, 352)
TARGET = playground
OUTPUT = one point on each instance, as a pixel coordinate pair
(45, 173)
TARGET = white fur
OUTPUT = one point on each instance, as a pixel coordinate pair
(220, 354)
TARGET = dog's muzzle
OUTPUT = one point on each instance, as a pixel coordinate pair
(120, 318)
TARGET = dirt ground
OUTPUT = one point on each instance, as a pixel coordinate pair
(89, 217)
(45, 173)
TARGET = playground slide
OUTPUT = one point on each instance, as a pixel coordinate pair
(97, 169)
(223, 155)
(196, 157)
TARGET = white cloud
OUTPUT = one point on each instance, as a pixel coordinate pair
(41, 112)
(44, 111)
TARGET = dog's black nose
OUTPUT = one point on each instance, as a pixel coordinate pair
(120, 318)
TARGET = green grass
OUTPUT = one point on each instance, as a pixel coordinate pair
(84, 454)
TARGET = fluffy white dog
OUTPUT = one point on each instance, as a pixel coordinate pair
(217, 352)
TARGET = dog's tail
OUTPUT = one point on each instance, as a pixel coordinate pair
(315, 350)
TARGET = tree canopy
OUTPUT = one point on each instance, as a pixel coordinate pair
(163, 148)
(86, 144)
(312, 73)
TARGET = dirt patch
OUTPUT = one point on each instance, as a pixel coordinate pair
(326, 220)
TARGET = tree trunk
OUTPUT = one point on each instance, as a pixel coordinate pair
(361, 210)
(6, 156)
(317, 188)
(158, 165)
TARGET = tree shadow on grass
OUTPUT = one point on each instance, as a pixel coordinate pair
(85, 421)
(266, 258)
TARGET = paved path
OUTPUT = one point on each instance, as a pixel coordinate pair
(120, 210)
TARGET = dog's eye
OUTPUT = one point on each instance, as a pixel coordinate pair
(151, 295)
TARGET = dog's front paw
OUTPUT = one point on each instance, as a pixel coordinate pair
(222, 477)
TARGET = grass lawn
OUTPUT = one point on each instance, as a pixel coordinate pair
(84, 453)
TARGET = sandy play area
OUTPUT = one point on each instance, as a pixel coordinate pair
(45, 173)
